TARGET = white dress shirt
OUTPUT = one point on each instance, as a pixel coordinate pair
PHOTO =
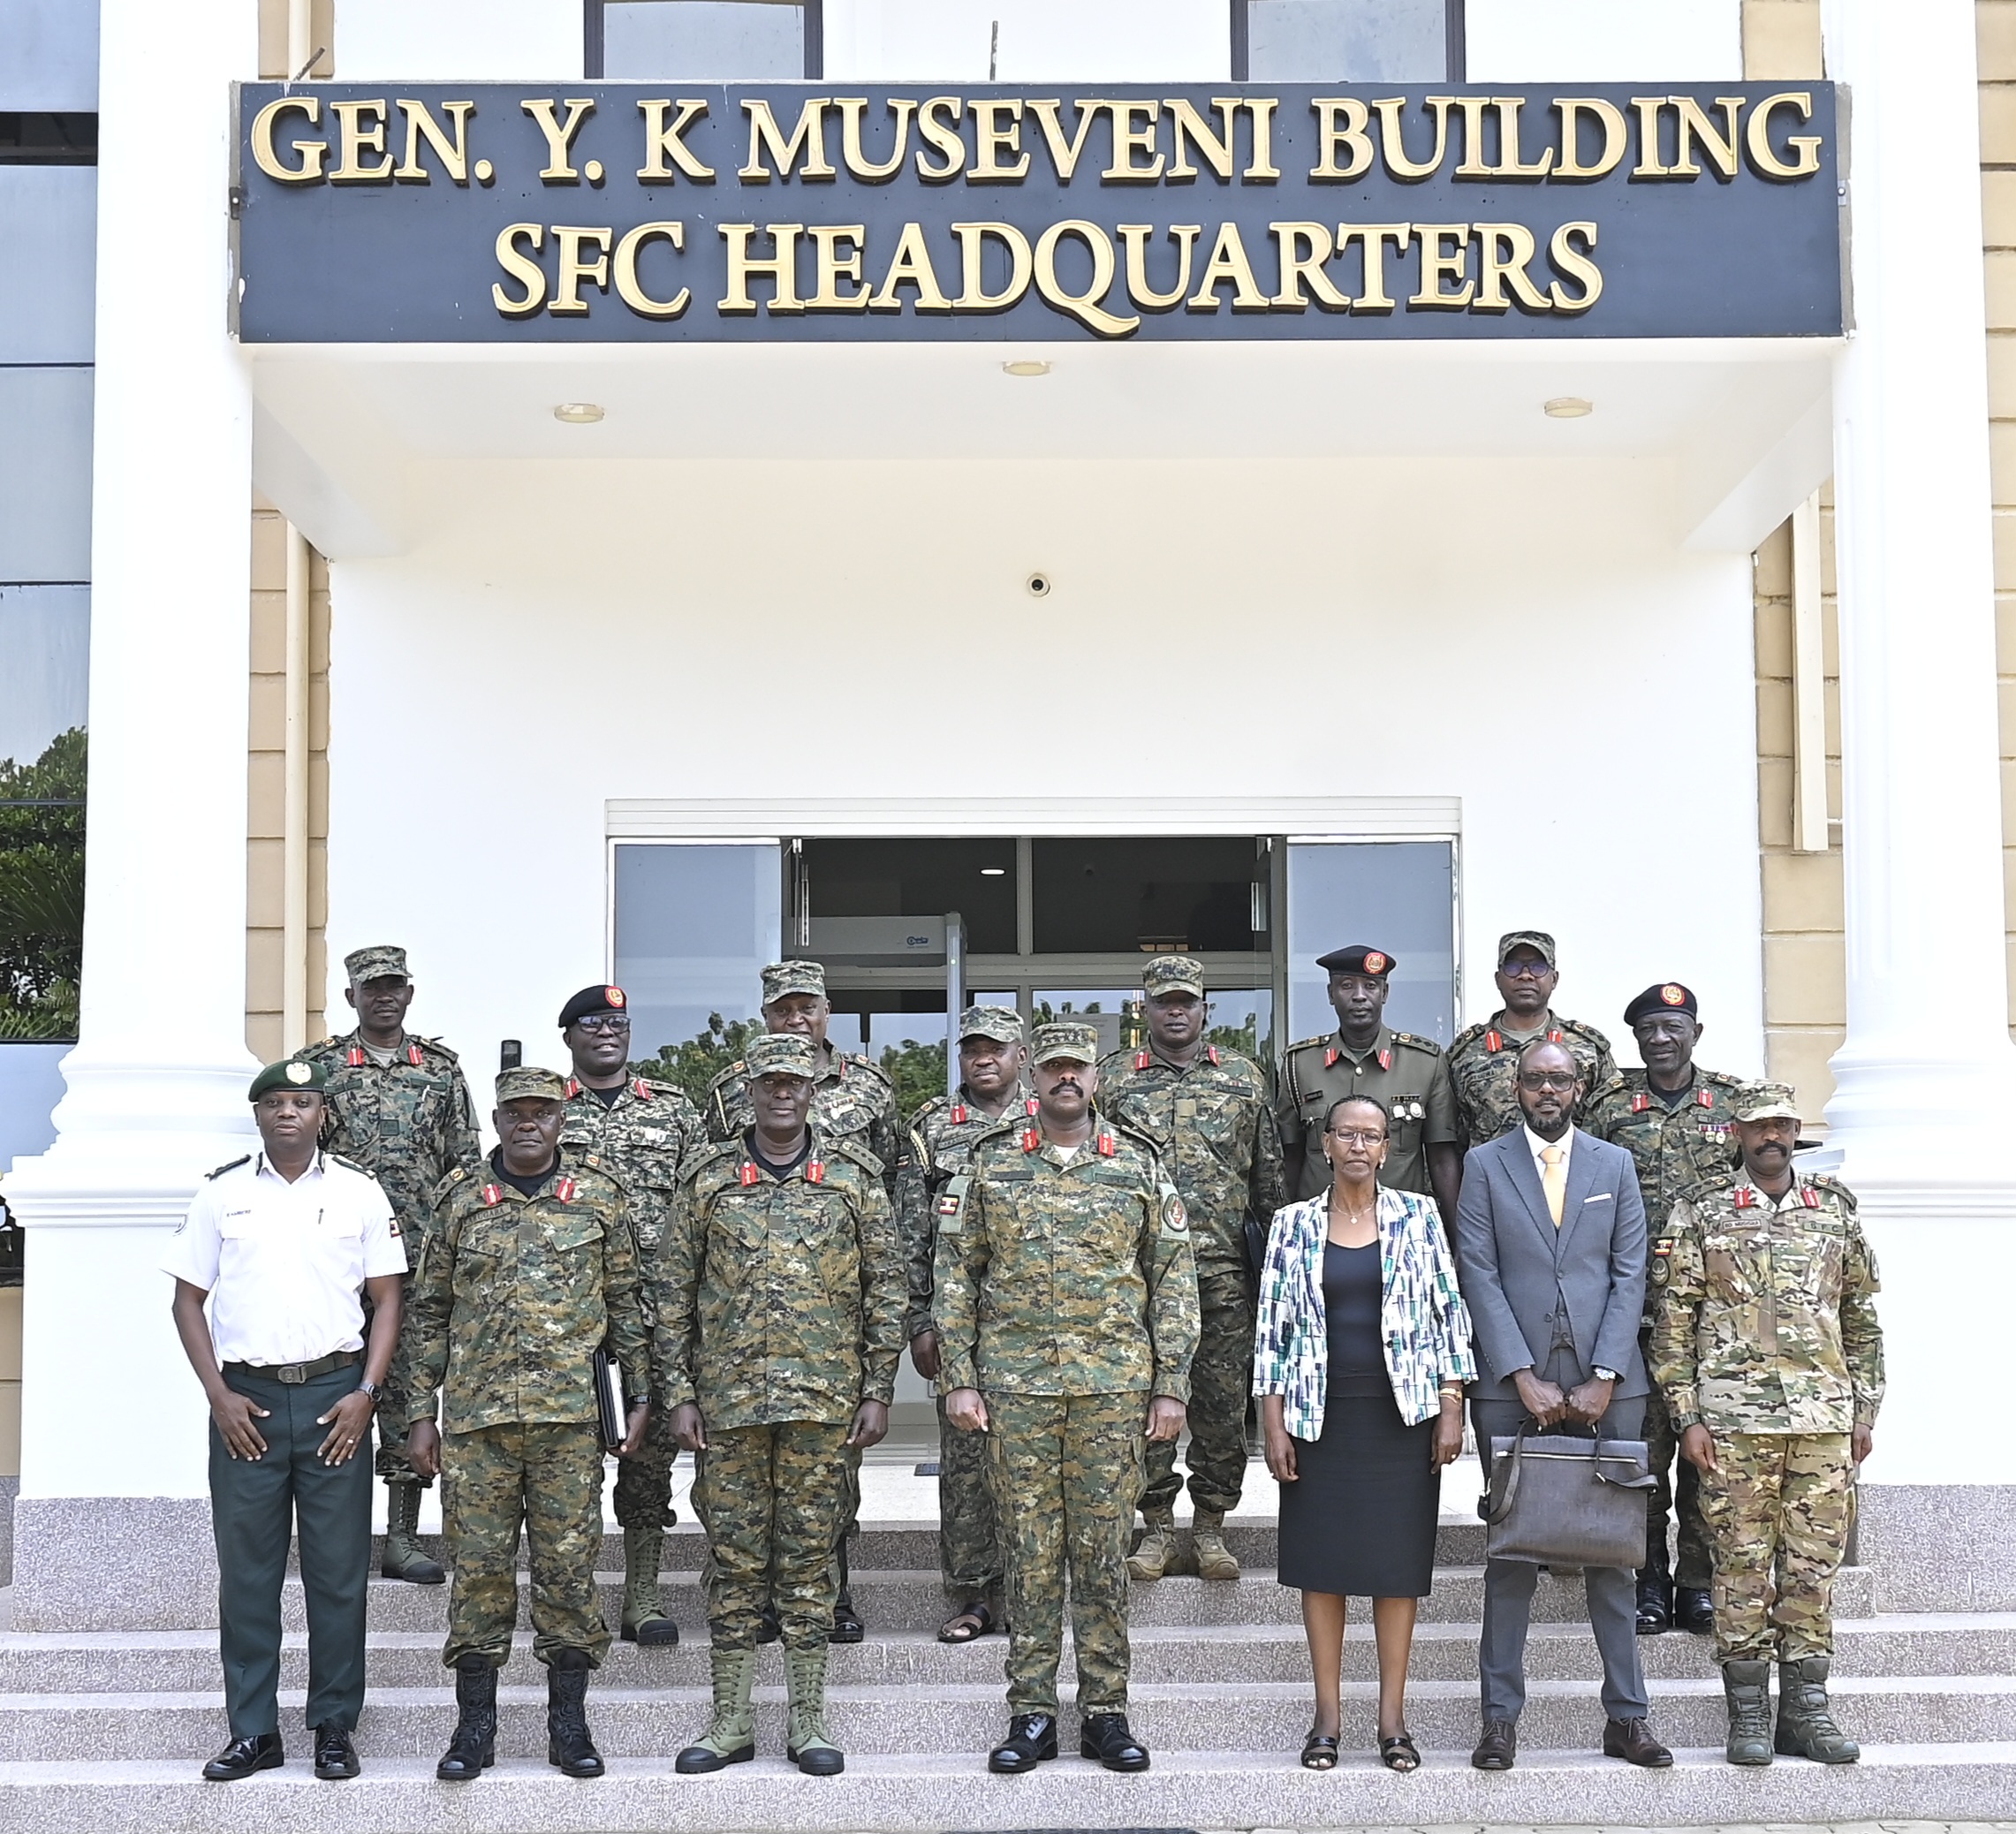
(283, 1264)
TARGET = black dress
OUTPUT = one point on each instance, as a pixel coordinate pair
(1361, 1518)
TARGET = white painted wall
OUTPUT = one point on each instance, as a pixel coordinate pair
(1602, 40)
(447, 41)
(1142, 41)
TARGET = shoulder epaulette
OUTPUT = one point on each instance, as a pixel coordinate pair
(440, 1050)
(1583, 1028)
(854, 1059)
(1114, 1062)
(843, 1146)
(229, 1165)
(449, 1182)
(1008, 1127)
(1415, 1043)
(1722, 1079)
(1135, 1136)
(347, 1164)
(707, 1154)
(1469, 1034)
(1827, 1181)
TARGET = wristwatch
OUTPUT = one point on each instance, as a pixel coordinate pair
(1603, 1375)
(370, 1389)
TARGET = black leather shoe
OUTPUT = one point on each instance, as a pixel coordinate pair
(242, 1756)
(1498, 1748)
(1632, 1740)
(336, 1757)
(1694, 1608)
(1105, 1736)
(1031, 1740)
(1654, 1602)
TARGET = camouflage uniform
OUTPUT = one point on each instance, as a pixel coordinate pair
(409, 1123)
(1215, 1135)
(642, 1137)
(1406, 1072)
(781, 1312)
(1067, 1296)
(1674, 1148)
(1766, 1333)
(937, 1148)
(1483, 1072)
(513, 1297)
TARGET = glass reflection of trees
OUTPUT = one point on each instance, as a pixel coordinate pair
(42, 890)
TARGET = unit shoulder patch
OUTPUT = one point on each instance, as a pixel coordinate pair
(1175, 1219)
(229, 1166)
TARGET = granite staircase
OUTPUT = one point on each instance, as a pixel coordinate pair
(106, 1730)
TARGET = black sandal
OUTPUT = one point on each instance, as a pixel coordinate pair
(1320, 1754)
(1399, 1753)
(967, 1624)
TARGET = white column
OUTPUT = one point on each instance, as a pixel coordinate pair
(1926, 1079)
(156, 1084)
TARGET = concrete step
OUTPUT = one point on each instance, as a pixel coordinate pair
(1201, 1789)
(1958, 1643)
(1258, 1717)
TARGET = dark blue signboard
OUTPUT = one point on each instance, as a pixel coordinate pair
(634, 213)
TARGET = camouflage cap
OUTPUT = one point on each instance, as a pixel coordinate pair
(375, 963)
(1767, 1102)
(289, 1075)
(1173, 973)
(1065, 1039)
(530, 1083)
(794, 977)
(1526, 939)
(779, 1054)
(1001, 1022)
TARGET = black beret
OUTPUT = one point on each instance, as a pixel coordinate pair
(1667, 997)
(591, 1000)
(1358, 958)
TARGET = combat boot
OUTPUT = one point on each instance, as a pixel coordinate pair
(1156, 1553)
(731, 1735)
(569, 1748)
(1655, 1595)
(1806, 1721)
(806, 1743)
(1748, 1685)
(847, 1625)
(644, 1619)
(472, 1748)
(1214, 1560)
(405, 1558)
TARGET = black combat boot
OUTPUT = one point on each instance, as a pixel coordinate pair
(568, 1746)
(1654, 1595)
(472, 1748)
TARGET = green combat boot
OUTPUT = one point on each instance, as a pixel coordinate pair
(1748, 1687)
(731, 1735)
(1214, 1560)
(403, 1557)
(806, 1743)
(1158, 1550)
(644, 1619)
(1806, 1722)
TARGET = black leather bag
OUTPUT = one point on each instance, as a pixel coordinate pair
(1562, 1501)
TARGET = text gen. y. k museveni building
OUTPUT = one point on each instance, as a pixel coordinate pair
(977, 495)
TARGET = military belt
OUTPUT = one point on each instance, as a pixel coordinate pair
(294, 1373)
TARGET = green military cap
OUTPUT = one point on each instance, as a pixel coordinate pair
(375, 963)
(1001, 1022)
(794, 977)
(288, 1074)
(1767, 1102)
(779, 1054)
(1066, 1041)
(1526, 939)
(1173, 973)
(530, 1083)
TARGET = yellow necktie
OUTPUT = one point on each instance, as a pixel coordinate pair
(1554, 1180)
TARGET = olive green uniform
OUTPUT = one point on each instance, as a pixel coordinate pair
(1406, 1072)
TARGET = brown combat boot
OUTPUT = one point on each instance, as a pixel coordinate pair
(1214, 1560)
(1156, 1553)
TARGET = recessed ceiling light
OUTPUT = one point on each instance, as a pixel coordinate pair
(1568, 408)
(1026, 365)
(993, 872)
(586, 413)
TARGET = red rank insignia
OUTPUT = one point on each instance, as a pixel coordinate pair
(1141, 1060)
(1330, 1055)
(640, 1089)
(1031, 1139)
(1211, 1051)
(1108, 1146)
(564, 1189)
(1746, 1199)
(1809, 1197)
(1493, 1043)
(356, 1059)
(493, 1193)
(948, 1206)
(1640, 1102)
(816, 1171)
(1386, 1058)
(1029, 1106)
(412, 1054)
(1555, 1037)
(959, 1114)
(749, 1172)
(573, 1087)
(1704, 1098)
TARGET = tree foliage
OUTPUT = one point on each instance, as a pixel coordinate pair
(693, 1066)
(42, 890)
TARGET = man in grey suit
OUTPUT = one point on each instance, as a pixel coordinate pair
(1551, 1235)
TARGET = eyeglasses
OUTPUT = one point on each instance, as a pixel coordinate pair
(1557, 1080)
(1525, 970)
(604, 1022)
(1356, 1136)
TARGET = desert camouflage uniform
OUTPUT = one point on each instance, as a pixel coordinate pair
(1406, 1072)
(1674, 1149)
(1483, 1072)
(782, 1313)
(1215, 1134)
(513, 1296)
(409, 1123)
(1766, 1334)
(641, 1136)
(937, 1147)
(1067, 1295)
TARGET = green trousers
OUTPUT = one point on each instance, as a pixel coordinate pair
(1221, 1383)
(256, 1506)
(769, 1498)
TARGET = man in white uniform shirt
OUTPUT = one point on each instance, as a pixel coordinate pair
(277, 1248)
